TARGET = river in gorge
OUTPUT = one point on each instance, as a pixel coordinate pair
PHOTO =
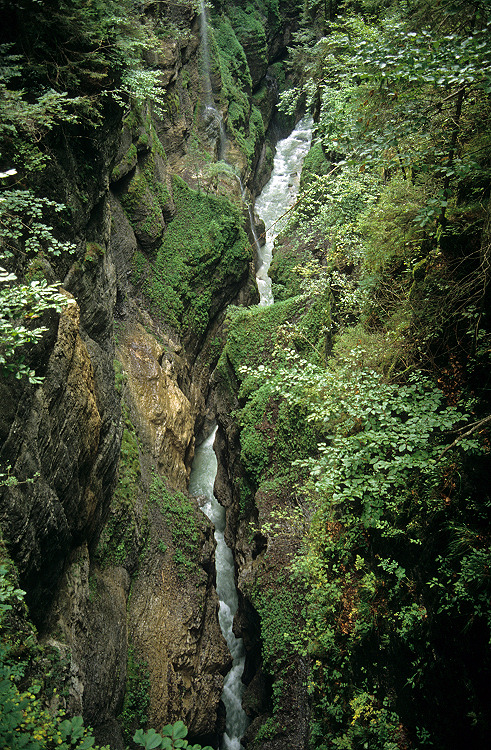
(201, 485)
(277, 197)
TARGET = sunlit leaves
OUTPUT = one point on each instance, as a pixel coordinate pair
(22, 224)
(171, 737)
(380, 437)
(400, 57)
(21, 306)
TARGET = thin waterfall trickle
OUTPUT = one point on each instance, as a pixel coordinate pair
(278, 195)
(201, 485)
(211, 115)
(205, 55)
(252, 224)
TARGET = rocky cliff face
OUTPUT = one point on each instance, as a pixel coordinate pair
(67, 431)
(80, 546)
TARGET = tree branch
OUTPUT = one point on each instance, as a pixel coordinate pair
(473, 429)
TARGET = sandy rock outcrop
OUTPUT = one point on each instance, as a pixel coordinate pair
(163, 416)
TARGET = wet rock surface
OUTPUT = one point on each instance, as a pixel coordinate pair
(59, 432)
(174, 627)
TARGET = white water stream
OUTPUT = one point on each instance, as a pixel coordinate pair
(277, 196)
(201, 485)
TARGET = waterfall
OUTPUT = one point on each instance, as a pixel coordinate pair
(252, 224)
(212, 117)
(201, 485)
(205, 53)
(278, 195)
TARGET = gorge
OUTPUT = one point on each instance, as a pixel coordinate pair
(263, 225)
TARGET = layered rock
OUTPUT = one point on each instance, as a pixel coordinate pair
(75, 552)
(63, 435)
(88, 627)
(174, 628)
(164, 418)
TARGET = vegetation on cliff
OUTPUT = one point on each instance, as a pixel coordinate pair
(361, 396)
(392, 226)
(204, 251)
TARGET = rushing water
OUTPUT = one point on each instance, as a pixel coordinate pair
(276, 198)
(278, 195)
(201, 485)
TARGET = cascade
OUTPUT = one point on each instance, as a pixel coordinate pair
(201, 485)
(278, 195)
(211, 115)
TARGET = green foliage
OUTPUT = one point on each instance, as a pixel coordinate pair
(25, 120)
(315, 163)
(390, 232)
(373, 452)
(24, 232)
(271, 432)
(279, 611)
(376, 487)
(253, 335)
(20, 305)
(139, 267)
(231, 57)
(283, 270)
(402, 97)
(59, 67)
(8, 592)
(137, 694)
(249, 27)
(268, 730)
(120, 535)
(171, 737)
(25, 721)
(244, 121)
(396, 558)
(22, 226)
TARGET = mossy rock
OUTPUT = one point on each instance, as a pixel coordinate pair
(201, 263)
(144, 211)
(125, 165)
(249, 30)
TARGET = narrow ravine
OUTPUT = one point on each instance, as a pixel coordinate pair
(201, 485)
(276, 198)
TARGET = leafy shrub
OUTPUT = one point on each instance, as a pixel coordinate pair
(171, 737)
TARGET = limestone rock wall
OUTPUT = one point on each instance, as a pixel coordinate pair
(64, 434)
(164, 416)
(81, 538)
(173, 625)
